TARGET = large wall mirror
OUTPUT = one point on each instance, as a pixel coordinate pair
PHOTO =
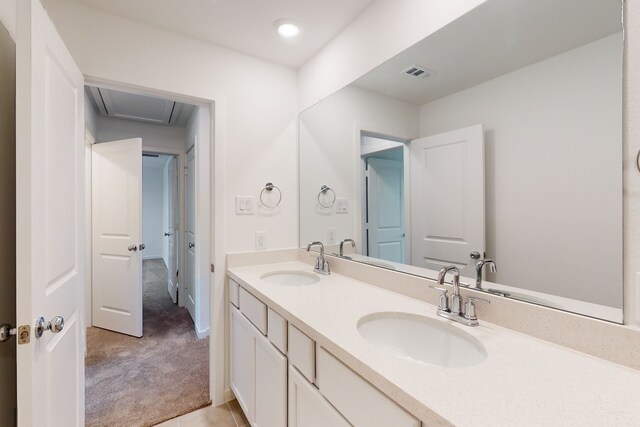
(497, 138)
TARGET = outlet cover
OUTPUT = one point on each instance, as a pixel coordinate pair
(331, 235)
(261, 240)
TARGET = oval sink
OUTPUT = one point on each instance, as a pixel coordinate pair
(290, 278)
(422, 339)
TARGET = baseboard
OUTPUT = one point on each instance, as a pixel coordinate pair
(228, 395)
(202, 333)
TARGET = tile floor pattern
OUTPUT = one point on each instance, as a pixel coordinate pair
(226, 415)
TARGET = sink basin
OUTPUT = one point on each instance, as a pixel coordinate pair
(422, 339)
(290, 278)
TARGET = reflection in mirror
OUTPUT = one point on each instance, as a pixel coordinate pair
(496, 138)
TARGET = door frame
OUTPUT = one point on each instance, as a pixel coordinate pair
(213, 149)
(376, 131)
(180, 155)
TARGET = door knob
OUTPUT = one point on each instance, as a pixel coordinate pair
(142, 246)
(132, 248)
(6, 332)
(55, 325)
(191, 245)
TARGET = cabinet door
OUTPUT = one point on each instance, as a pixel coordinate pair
(243, 367)
(271, 385)
(307, 407)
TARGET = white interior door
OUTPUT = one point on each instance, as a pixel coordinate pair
(190, 235)
(385, 205)
(172, 230)
(50, 223)
(447, 199)
(117, 231)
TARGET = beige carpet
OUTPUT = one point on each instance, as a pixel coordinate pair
(143, 381)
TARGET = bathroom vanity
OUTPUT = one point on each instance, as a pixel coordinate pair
(330, 350)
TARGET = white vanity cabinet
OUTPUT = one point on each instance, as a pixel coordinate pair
(320, 390)
(307, 407)
(243, 354)
(258, 374)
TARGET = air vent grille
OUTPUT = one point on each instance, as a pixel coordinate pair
(417, 71)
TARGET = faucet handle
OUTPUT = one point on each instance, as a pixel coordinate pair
(444, 300)
(470, 308)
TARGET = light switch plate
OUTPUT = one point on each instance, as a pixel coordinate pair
(244, 205)
(342, 205)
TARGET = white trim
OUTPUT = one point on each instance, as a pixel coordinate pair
(202, 333)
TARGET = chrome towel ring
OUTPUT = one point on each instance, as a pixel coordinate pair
(269, 187)
(323, 191)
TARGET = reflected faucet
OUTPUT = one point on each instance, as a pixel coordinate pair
(353, 245)
(479, 266)
(322, 266)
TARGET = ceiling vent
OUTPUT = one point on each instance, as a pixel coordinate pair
(417, 71)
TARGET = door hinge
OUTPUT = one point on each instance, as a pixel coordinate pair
(213, 268)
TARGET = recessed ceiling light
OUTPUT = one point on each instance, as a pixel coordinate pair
(287, 28)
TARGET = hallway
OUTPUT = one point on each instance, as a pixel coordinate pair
(143, 381)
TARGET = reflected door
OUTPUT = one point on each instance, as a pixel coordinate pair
(385, 209)
(50, 220)
(447, 199)
(190, 235)
(117, 231)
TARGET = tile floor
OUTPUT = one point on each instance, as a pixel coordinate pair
(226, 415)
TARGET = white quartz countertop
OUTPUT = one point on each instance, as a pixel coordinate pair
(524, 381)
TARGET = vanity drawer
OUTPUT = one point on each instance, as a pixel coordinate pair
(234, 290)
(254, 310)
(302, 353)
(339, 384)
(277, 330)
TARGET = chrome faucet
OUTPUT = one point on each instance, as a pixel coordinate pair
(322, 266)
(479, 266)
(454, 301)
(451, 308)
(353, 245)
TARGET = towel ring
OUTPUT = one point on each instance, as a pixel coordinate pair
(269, 187)
(323, 190)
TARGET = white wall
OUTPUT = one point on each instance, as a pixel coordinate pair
(157, 136)
(153, 193)
(553, 162)
(90, 115)
(631, 125)
(258, 100)
(7, 224)
(383, 30)
(330, 155)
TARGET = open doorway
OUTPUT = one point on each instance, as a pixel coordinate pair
(148, 304)
(384, 205)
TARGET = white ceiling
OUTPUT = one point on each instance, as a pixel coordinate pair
(245, 25)
(496, 38)
(128, 106)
